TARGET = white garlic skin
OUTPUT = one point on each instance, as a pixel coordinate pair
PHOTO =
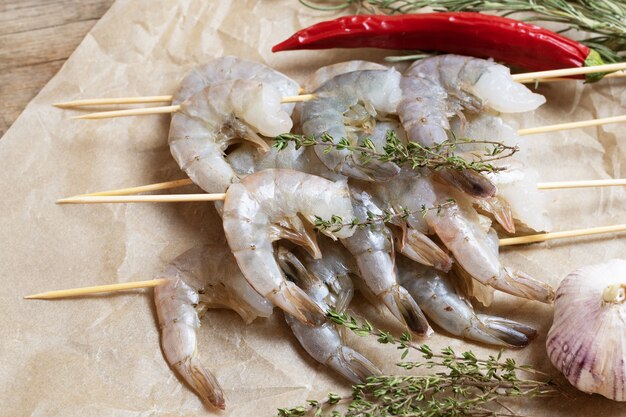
(587, 340)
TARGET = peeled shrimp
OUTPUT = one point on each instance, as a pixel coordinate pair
(437, 88)
(274, 204)
(372, 247)
(218, 116)
(435, 293)
(411, 190)
(466, 235)
(323, 342)
(346, 105)
(230, 68)
(334, 269)
(323, 74)
(518, 204)
(195, 282)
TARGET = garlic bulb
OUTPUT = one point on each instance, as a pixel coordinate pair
(587, 341)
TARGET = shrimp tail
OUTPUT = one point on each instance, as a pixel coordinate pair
(292, 300)
(471, 182)
(500, 210)
(202, 381)
(509, 332)
(418, 247)
(404, 307)
(352, 365)
(523, 285)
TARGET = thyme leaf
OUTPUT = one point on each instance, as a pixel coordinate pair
(462, 385)
(411, 154)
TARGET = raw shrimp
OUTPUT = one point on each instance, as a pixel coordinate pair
(372, 247)
(323, 342)
(435, 293)
(230, 68)
(218, 116)
(437, 88)
(195, 283)
(410, 192)
(274, 204)
(334, 268)
(323, 74)
(346, 105)
(518, 201)
(475, 248)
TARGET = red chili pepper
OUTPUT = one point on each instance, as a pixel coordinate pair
(467, 33)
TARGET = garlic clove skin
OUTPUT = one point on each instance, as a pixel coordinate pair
(587, 340)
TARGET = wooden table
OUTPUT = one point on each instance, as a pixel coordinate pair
(36, 37)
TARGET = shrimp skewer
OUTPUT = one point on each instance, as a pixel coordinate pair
(274, 204)
(324, 342)
(194, 284)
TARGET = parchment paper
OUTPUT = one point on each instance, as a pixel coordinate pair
(100, 356)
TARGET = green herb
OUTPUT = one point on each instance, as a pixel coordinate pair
(463, 384)
(412, 154)
(605, 20)
(337, 223)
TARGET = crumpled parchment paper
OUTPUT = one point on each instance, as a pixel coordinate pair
(100, 355)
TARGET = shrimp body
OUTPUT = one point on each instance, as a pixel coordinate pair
(436, 295)
(437, 88)
(194, 283)
(411, 191)
(372, 247)
(324, 342)
(323, 74)
(274, 204)
(217, 116)
(348, 104)
(518, 204)
(229, 68)
(475, 248)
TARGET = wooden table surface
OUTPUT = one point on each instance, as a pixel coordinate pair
(36, 37)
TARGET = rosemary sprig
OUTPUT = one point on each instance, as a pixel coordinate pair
(605, 20)
(464, 384)
(413, 154)
(337, 223)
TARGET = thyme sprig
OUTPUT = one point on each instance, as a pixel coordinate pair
(605, 20)
(464, 385)
(415, 155)
(337, 223)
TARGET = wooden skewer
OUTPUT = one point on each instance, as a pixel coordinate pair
(109, 101)
(528, 77)
(566, 72)
(542, 237)
(581, 184)
(142, 188)
(96, 289)
(166, 109)
(119, 195)
(171, 198)
(153, 283)
(617, 74)
(571, 125)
